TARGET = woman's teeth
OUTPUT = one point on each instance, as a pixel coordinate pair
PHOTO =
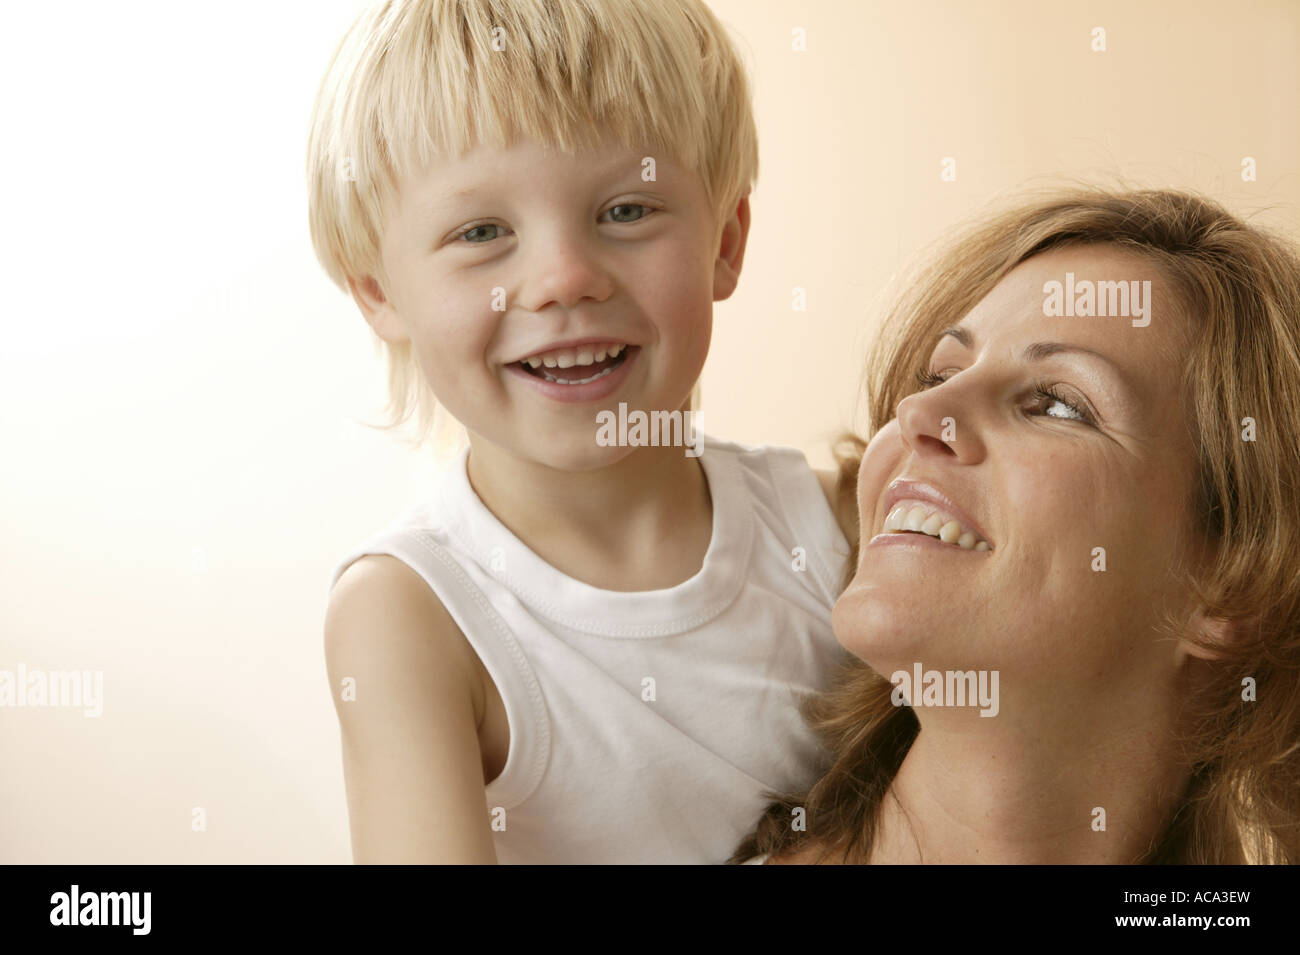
(929, 520)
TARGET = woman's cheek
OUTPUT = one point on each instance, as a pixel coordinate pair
(878, 463)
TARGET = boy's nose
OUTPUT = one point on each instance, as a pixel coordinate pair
(564, 273)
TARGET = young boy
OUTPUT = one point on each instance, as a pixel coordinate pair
(606, 635)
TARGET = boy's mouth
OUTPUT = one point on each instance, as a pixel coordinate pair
(578, 365)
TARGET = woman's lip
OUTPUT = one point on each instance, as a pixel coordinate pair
(602, 387)
(914, 538)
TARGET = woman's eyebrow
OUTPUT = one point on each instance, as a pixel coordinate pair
(1041, 350)
(959, 333)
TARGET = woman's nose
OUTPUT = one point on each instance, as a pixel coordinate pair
(564, 271)
(941, 422)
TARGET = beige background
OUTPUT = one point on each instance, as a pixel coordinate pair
(180, 387)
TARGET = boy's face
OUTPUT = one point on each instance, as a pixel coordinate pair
(511, 270)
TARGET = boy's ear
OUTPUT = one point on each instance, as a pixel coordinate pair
(379, 312)
(731, 251)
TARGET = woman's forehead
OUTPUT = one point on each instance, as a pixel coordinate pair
(1104, 299)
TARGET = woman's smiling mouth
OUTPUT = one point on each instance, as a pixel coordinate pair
(919, 513)
(918, 517)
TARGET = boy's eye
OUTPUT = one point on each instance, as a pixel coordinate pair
(628, 212)
(480, 233)
(487, 231)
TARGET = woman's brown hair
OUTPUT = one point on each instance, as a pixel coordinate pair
(1239, 287)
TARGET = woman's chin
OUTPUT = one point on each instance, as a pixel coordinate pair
(878, 630)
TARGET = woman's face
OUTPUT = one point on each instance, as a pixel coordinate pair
(1099, 476)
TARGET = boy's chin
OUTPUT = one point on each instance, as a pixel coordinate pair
(573, 452)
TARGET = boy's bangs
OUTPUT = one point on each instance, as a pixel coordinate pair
(568, 75)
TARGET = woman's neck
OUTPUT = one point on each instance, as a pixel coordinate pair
(1023, 795)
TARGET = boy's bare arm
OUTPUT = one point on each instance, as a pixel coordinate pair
(411, 756)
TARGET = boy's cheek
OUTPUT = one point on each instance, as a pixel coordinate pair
(457, 321)
(447, 350)
(688, 303)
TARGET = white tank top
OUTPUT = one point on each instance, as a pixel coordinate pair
(645, 727)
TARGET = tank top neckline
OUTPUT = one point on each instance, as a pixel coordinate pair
(573, 603)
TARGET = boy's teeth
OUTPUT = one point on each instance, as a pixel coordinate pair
(568, 357)
(929, 520)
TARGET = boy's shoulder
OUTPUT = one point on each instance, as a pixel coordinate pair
(385, 627)
(759, 459)
(790, 469)
(379, 603)
(425, 518)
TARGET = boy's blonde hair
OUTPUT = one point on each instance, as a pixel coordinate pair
(415, 80)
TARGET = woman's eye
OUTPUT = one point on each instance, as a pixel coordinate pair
(1052, 403)
(928, 379)
(631, 210)
(1057, 406)
(1070, 410)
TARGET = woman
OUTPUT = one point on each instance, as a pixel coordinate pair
(1081, 507)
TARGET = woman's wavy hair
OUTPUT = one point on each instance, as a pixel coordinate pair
(1240, 289)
